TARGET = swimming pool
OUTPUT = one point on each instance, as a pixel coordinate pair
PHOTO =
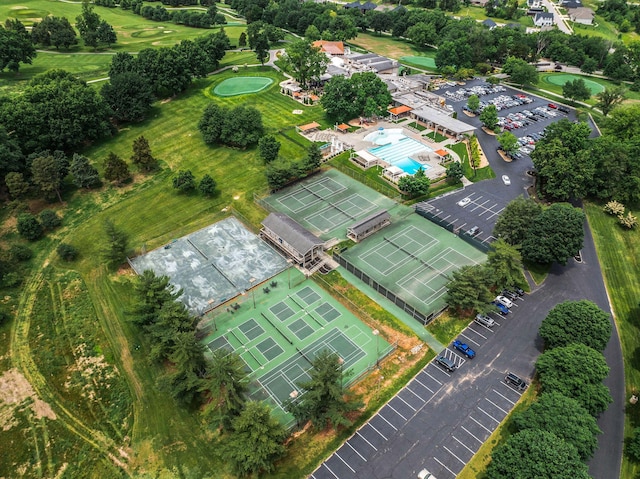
(397, 149)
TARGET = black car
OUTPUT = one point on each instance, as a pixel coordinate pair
(515, 381)
(563, 109)
(510, 294)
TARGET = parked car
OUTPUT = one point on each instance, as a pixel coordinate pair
(553, 105)
(424, 474)
(464, 349)
(563, 109)
(504, 300)
(502, 309)
(464, 201)
(515, 381)
(473, 231)
(512, 295)
(484, 320)
(506, 180)
(446, 363)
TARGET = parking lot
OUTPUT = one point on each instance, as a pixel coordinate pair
(439, 419)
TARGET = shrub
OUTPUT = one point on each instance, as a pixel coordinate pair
(614, 208)
(184, 181)
(4, 316)
(11, 280)
(632, 447)
(49, 219)
(29, 227)
(20, 252)
(628, 221)
(67, 252)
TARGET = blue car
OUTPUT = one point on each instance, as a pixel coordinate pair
(464, 349)
(502, 309)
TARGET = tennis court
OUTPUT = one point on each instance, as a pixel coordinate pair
(327, 203)
(414, 259)
(213, 264)
(282, 335)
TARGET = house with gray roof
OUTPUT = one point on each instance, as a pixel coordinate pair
(543, 19)
(295, 241)
(369, 225)
(490, 24)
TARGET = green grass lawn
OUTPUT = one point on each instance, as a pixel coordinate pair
(547, 81)
(471, 174)
(389, 47)
(619, 252)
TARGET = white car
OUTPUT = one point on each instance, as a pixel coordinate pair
(506, 301)
(506, 180)
(424, 474)
(464, 201)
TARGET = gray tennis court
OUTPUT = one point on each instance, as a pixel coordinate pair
(214, 264)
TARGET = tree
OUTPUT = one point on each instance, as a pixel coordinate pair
(11, 157)
(313, 158)
(116, 169)
(256, 441)
(67, 252)
(632, 446)
(508, 142)
(325, 400)
(128, 95)
(555, 235)
(49, 219)
(609, 98)
(20, 252)
(114, 250)
(468, 289)
(515, 220)
(534, 453)
(106, 34)
(504, 264)
(56, 31)
(93, 30)
(240, 126)
(29, 227)
(142, 156)
(415, 185)
(577, 372)
(307, 63)
(15, 46)
(16, 184)
(268, 147)
(576, 90)
(576, 322)
(85, 175)
(262, 49)
(473, 103)
(520, 71)
(152, 293)
(280, 172)
(312, 34)
(184, 181)
(227, 384)
(454, 172)
(489, 117)
(47, 172)
(565, 418)
(207, 186)
(242, 40)
(364, 94)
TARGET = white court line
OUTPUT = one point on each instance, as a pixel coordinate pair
(329, 469)
(411, 391)
(463, 444)
(481, 425)
(487, 414)
(383, 418)
(345, 462)
(365, 440)
(489, 400)
(438, 461)
(433, 378)
(447, 449)
(472, 435)
(354, 450)
(373, 427)
(410, 406)
(420, 383)
(393, 409)
(469, 339)
(504, 397)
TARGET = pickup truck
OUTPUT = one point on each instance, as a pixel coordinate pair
(464, 349)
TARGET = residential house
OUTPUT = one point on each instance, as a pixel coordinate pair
(543, 19)
(581, 15)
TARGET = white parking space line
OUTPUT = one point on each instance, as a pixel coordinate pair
(504, 397)
(490, 401)
(463, 445)
(412, 392)
(480, 424)
(383, 418)
(365, 440)
(329, 469)
(472, 435)
(487, 414)
(410, 406)
(511, 389)
(373, 427)
(438, 461)
(394, 410)
(345, 462)
(433, 378)
(469, 339)
(421, 384)
(447, 449)
(480, 334)
(355, 450)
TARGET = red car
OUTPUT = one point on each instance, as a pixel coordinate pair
(553, 105)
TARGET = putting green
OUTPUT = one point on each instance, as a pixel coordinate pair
(561, 78)
(426, 62)
(241, 85)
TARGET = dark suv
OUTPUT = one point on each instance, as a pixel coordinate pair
(446, 363)
(515, 381)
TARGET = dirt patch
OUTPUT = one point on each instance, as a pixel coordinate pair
(14, 391)
(488, 131)
(504, 156)
(468, 113)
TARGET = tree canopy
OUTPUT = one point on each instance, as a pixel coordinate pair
(228, 386)
(16, 46)
(306, 62)
(504, 264)
(240, 126)
(489, 117)
(364, 94)
(576, 90)
(576, 322)
(94, 30)
(514, 221)
(56, 31)
(415, 185)
(520, 71)
(468, 289)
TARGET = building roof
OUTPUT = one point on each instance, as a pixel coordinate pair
(309, 126)
(571, 3)
(399, 110)
(581, 12)
(367, 223)
(332, 48)
(490, 23)
(394, 170)
(441, 152)
(368, 6)
(342, 127)
(445, 121)
(365, 155)
(301, 239)
(353, 5)
(543, 15)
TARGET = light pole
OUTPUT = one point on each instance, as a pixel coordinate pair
(289, 263)
(376, 333)
(253, 293)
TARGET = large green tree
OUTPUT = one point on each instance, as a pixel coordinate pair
(142, 156)
(240, 126)
(306, 62)
(577, 372)
(116, 169)
(364, 94)
(555, 235)
(15, 46)
(415, 185)
(228, 386)
(114, 250)
(489, 117)
(504, 264)
(268, 147)
(515, 220)
(533, 454)
(576, 90)
(609, 98)
(508, 142)
(128, 95)
(468, 289)
(56, 31)
(48, 171)
(93, 29)
(85, 175)
(576, 322)
(520, 71)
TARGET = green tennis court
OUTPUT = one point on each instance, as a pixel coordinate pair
(560, 79)
(426, 62)
(279, 338)
(241, 86)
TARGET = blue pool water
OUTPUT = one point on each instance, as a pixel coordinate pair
(398, 153)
